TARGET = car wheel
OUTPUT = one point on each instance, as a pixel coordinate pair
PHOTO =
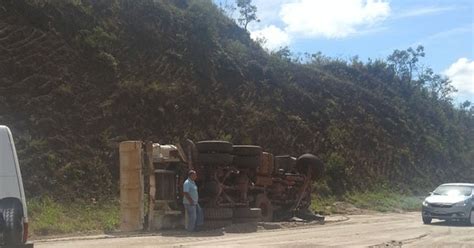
(13, 227)
(471, 219)
(427, 220)
(2, 223)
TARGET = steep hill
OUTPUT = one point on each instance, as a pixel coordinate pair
(77, 77)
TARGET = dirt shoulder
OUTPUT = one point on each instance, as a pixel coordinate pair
(341, 211)
(373, 230)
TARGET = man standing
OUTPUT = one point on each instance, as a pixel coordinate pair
(193, 211)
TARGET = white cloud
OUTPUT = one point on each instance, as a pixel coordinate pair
(268, 10)
(461, 74)
(316, 18)
(274, 37)
(332, 19)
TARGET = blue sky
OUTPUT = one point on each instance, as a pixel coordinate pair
(373, 29)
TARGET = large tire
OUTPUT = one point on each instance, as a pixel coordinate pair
(262, 202)
(306, 161)
(255, 213)
(284, 162)
(215, 224)
(251, 162)
(215, 159)
(13, 231)
(246, 150)
(210, 146)
(217, 213)
(426, 220)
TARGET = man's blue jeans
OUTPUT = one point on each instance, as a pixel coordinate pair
(193, 217)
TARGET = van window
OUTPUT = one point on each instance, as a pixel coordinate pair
(9, 185)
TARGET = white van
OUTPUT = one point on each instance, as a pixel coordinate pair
(13, 214)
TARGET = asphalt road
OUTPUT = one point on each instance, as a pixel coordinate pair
(374, 230)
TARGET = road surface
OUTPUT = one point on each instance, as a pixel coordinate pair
(374, 230)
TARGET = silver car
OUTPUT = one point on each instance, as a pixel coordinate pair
(451, 201)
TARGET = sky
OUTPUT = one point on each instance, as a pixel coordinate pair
(374, 29)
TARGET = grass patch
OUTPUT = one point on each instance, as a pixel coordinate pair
(323, 205)
(49, 217)
(382, 201)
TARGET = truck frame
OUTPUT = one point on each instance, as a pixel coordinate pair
(237, 183)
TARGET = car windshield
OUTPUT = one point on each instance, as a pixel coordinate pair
(453, 190)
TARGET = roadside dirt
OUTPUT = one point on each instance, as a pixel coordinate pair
(346, 208)
(374, 230)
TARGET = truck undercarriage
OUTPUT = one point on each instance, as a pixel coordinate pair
(237, 183)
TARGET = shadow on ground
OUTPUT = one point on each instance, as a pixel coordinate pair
(184, 233)
(450, 224)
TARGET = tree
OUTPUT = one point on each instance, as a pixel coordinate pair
(438, 86)
(248, 12)
(227, 8)
(405, 62)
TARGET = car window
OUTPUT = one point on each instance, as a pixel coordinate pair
(7, 162)
(9, 185)
(453, 190)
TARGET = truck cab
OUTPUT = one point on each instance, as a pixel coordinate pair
(13, 211)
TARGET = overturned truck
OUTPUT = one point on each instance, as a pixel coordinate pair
(237, 183)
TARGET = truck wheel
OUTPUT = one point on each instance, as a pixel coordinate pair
(246, 150)
(306, 161)
(284, 162)
(255, 213)
(427, 220)
(209, 146)
(251, 162)
(13, 231)
(217, 213)
(215, 158)
(262, 202)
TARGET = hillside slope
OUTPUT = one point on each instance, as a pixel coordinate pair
(77, 77)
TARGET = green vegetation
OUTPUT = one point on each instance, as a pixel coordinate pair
(49, 217)
(323, 205)
(79, 76)
(384, 201)
(380, 200)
